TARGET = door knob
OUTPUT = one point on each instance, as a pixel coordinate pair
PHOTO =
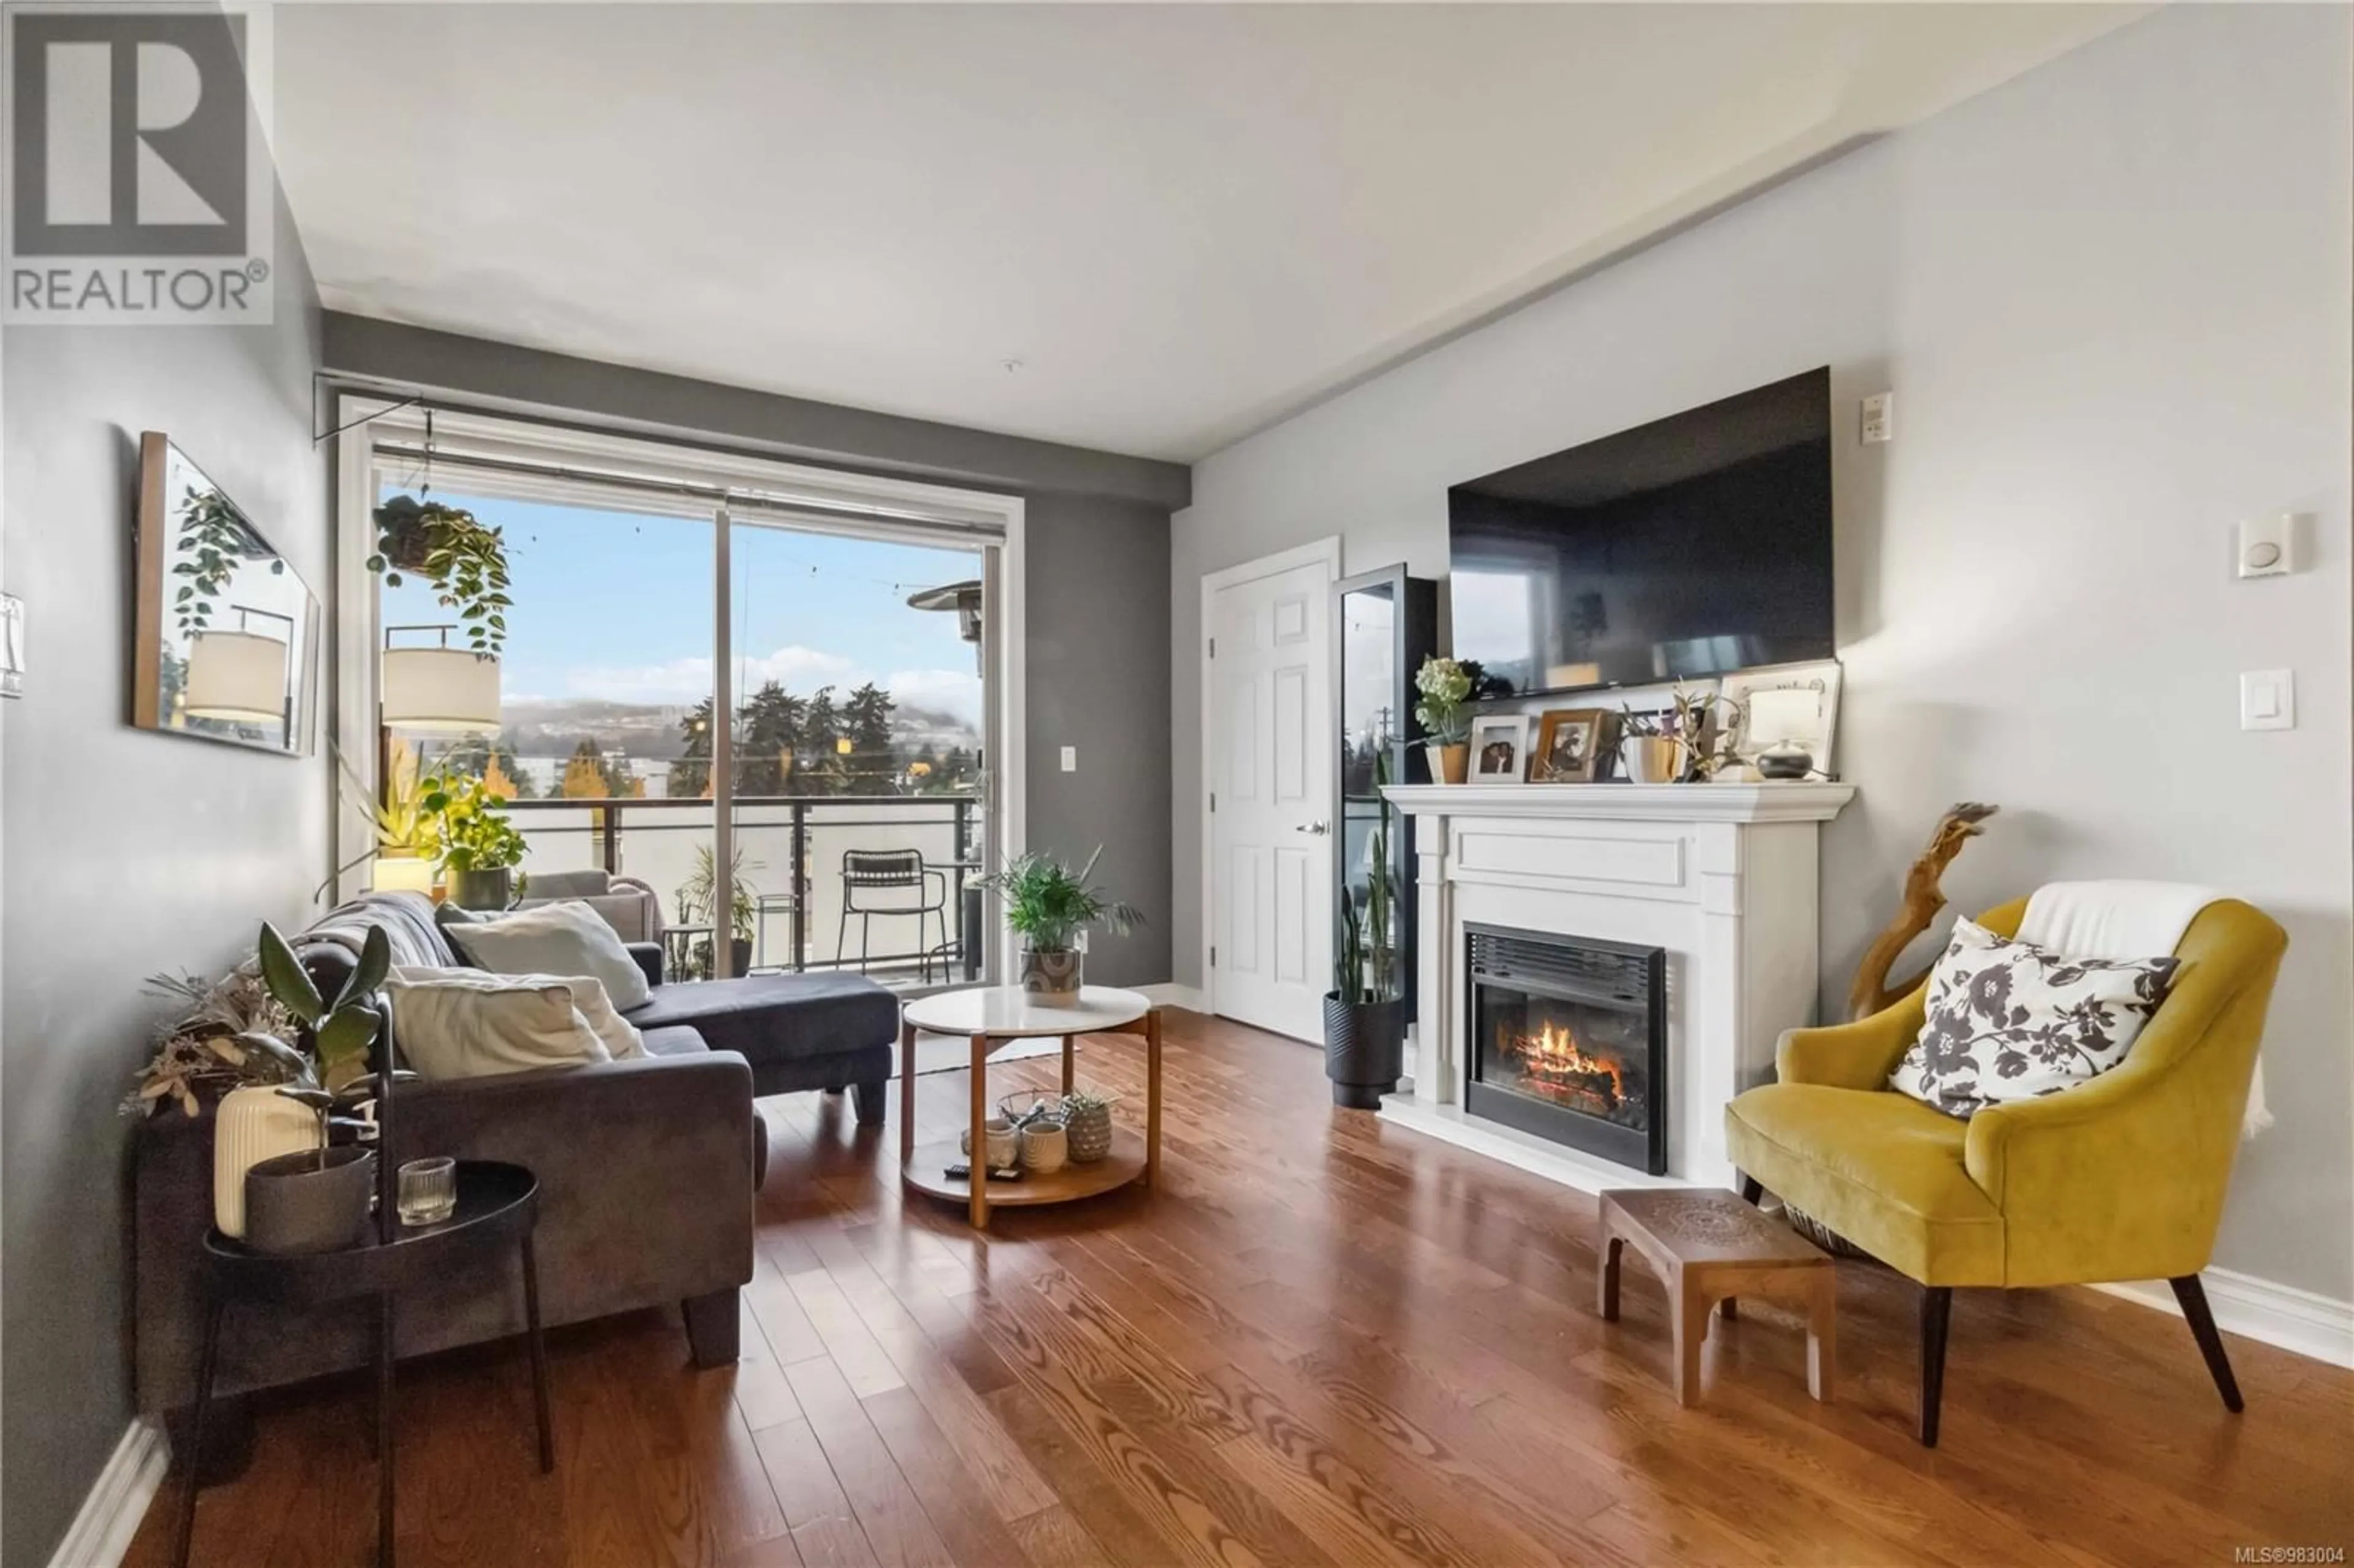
(1319, 827)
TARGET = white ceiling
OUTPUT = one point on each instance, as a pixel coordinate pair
(1185, 222)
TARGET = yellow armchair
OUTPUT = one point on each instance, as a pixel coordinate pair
(2122, 1178)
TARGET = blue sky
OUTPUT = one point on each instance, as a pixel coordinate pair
(617, 606)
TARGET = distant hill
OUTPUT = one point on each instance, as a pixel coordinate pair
(649, 730)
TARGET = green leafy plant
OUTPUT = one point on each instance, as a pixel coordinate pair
(403, 827)
(1048, 904)
(465, 560)
(1079, 1102)
(214, 539)
(338, 1034)
(470, 824)
(698, 893)
(1365, 968)
(1687, 720)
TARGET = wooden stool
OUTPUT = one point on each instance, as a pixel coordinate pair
(1709, 1246)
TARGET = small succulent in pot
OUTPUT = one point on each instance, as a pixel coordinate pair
(1051, 907)
(1086, 1118)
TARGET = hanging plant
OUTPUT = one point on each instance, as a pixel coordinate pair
(449, 548)
(213, 536)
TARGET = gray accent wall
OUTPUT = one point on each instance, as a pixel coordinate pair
(2111, 298)
(128, 852)
(1096, 587)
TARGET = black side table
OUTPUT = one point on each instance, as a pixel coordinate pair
(498, 1204)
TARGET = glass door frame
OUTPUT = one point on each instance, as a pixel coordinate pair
(571, 464)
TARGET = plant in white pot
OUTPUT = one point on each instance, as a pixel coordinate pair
(1050, 907)
(1446, 686)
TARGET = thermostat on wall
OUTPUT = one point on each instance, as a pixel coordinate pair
(2268, 545)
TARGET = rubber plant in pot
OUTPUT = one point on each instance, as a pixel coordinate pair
(1050, 907)
(316, 1200)
(1365, 1013)
(480, 848)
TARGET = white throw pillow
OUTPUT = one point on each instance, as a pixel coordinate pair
(621, 1037)
(566, 938)
(462, 1024)
(2011, 1021)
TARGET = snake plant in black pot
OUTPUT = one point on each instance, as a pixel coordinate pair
(1365, 1013)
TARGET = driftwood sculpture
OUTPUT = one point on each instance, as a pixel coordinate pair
(1923, 898)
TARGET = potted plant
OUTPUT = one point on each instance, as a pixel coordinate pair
(408, 838)
(1445, 714)
(1050, 907)
(1674, 745)
(465, 561)
(696, 895)
(314, 1200)
(480, 848)
(1365, 1013)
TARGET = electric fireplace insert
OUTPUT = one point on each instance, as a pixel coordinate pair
(1568, 1040)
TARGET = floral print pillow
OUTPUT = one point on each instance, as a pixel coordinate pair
(2011, 1021)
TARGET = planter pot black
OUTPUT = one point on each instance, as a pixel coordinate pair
(490, 890)
(1364, 1049)
(312, 1202)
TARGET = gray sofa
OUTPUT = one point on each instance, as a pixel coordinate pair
(647, 1168)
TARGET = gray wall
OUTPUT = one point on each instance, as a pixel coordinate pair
(2112, 298)
(127, 852)
(1095, 583)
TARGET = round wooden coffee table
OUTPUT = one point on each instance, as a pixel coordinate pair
(989, 1016)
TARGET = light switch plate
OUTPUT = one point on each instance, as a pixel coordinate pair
(1879, 418)
(1070, 760)
(2268, 699)
(2267, 546)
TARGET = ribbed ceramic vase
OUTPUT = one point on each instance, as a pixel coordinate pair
(252, 1125)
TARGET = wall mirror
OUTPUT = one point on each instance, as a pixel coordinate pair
(227, 634)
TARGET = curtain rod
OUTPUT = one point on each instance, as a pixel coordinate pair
(723, 495)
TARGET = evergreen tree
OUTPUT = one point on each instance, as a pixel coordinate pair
(769, 730)
(866, 721)
(821, 771)
(690, 774)
(474, 756)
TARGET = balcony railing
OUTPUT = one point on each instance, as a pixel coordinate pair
(789, 850)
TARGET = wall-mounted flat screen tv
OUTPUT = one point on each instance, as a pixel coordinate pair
(1696, 544)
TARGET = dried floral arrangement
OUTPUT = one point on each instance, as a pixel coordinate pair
(200, 1051)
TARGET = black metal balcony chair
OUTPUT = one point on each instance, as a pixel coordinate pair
(890, 882)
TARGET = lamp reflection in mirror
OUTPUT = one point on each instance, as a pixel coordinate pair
(439, 688)
(239, 675)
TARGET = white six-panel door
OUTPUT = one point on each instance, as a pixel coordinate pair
(1269, 719)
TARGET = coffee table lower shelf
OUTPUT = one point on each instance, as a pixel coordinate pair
(1124, 1164)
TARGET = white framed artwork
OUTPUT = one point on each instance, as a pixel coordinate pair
(1500, 748)
(1792, 707)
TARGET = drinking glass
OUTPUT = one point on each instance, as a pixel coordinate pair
(428, 1190)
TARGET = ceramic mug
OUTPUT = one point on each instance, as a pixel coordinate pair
(1003, 1142)
(1044, 1147)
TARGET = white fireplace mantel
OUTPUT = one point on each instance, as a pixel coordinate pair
(1723, 876)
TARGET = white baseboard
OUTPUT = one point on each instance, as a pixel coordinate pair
(1189, 997)
(2304, 1321)
(118, 1500)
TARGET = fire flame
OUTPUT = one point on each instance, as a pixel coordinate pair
(1555, 1058)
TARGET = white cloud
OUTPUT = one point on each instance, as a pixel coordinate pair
(954, 692)
(687, 680)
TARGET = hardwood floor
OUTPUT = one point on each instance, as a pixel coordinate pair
(1323, 1341)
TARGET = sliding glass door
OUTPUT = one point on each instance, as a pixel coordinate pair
(857, 820)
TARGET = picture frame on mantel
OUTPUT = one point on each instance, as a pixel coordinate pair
(1500, 748)
(1571, 746)
(1791, 706)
